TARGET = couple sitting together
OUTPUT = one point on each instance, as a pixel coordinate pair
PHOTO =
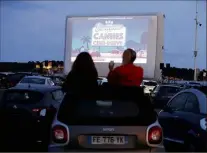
(83, 75)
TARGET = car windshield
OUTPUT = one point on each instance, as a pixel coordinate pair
(22, 96)
(33, 80)
(106, 111)
(150, 83)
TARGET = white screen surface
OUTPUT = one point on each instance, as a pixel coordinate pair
(105, 38)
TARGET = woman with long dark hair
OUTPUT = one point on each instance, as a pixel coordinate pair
(83, 75)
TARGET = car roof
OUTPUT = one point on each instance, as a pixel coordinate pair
(33, 87)
(37, 77)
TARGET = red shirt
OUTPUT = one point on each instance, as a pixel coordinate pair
(126, 75)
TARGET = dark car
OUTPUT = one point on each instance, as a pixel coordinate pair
(161, 94)
(111, 119)
(27, 113)
(13, 79)
(3, 81)
(184, 121)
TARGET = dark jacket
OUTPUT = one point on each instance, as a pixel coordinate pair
(80, 84)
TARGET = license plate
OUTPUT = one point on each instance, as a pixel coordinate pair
(117, 140)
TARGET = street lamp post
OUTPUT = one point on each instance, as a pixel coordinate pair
(195, 44)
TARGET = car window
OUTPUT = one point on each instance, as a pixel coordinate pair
(150, 83)
(178, 102)
(22, 96)
(33, 80)
(192, 104)
(58, 95)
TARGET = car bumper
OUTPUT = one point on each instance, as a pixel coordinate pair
(63, 149)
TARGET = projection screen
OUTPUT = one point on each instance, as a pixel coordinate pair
(106, 37)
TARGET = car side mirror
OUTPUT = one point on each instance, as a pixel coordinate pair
(43, 112)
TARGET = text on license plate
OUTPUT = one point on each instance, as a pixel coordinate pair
(117, 140)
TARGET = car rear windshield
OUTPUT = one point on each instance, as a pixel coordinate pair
(150, 83)
(106, 112)
(33, 80)
(22, 96)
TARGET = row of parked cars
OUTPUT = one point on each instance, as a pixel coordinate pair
(183, 115)
(8, 80)
(114, 118)
(27, 108)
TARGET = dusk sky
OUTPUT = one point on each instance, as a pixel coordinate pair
(34, 30)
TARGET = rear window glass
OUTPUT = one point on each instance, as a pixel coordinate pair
(106, 112)
(33, 80)
(150, 83)
(21, 96)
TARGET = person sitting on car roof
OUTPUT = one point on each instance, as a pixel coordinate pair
(127, 74)
(83, 75)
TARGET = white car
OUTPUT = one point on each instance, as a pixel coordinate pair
(37, 80)
(148, 85)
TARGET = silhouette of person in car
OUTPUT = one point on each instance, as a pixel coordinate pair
(83, 76)
(127, 74)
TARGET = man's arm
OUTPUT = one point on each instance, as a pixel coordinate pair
(112, 76)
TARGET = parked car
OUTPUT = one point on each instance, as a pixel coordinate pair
(26, 115)
(38, 80)
(3, 81)
(184, 121)
(111, 119)
(13, 79)
(102, 80)
(161, 94)
(148, 85)
(95, 54)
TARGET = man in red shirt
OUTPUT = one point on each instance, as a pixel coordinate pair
(127, 74)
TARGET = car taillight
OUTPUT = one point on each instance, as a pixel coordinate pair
(155, 135)
(36, 109)
(59, 134)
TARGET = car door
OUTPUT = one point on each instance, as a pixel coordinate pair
(168, 116)
(188, 118)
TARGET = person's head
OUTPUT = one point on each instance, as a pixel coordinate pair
(129, 56)
(84, 65)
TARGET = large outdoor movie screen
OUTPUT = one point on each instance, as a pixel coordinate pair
(105, 38)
